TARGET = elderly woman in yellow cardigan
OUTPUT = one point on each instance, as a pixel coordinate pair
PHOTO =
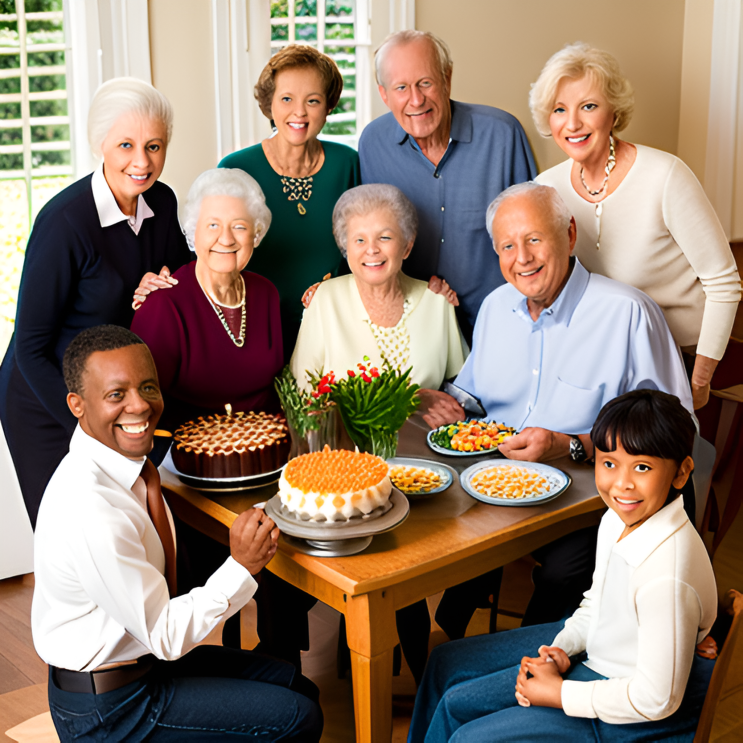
(378, 311)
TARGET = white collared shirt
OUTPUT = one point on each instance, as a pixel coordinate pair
(100, 594)
(653, 598)
(107, 208)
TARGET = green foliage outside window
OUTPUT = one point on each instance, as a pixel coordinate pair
(344, 56)
(20, 205)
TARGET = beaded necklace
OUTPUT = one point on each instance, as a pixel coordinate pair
(240, 340)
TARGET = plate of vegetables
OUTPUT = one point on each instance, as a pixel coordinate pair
(469, 438)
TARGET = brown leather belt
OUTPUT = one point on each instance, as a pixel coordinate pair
(99, 682)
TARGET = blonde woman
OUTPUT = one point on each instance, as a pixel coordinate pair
(89, 248)
(642, 216)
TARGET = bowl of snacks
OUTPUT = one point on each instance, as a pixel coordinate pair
(509, 483)
(419, 477)
(469, 438)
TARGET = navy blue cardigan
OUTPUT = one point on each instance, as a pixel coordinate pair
(78, 274)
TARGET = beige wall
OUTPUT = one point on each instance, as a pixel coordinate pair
(500, 46)
(183, 69)
(695, 84)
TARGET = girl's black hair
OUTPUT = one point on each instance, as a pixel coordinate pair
(646, 422)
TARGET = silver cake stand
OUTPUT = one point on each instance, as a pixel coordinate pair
(338, 538)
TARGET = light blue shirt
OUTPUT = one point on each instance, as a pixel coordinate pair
(599, 339)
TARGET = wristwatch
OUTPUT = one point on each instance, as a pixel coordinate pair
(577, 450)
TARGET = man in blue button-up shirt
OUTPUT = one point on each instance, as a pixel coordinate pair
(551, 347)
(556, 343)
(450, 159)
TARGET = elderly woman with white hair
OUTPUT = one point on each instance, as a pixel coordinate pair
(89, 248)
(642, 216)
(216, 336)
(378, 311)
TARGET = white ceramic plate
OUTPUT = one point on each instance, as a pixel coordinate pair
(558, 482)
(445, 472)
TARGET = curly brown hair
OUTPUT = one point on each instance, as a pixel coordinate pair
(298, 55)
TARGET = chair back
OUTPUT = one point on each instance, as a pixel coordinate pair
(704, 455)
(722, 713)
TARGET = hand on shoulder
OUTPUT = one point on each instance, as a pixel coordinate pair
(151, 282)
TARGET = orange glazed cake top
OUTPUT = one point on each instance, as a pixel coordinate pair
(338, 471)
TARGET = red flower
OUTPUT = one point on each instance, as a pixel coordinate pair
(323, 389)
(366, 377)
(351, 373)
(374, 371)
(315, 394)
(362, 367)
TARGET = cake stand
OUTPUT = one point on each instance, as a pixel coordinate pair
(337, 538)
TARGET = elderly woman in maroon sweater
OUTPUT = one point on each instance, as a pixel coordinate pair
(216, 335)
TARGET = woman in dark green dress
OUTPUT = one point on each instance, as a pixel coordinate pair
(301, 177)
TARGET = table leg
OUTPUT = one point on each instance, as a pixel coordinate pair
(372, 636)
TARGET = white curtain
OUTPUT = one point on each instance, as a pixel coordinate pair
(16, 536)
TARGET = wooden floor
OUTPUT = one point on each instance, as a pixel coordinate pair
(23, 674)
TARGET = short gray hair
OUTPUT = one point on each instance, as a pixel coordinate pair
(363, 200)
(226, 182)
(547, 195)
(124, 95)
(443, 55)
(575, 61)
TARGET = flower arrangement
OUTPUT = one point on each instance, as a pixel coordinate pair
(373, 403)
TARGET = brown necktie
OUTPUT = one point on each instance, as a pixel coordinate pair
(156, 509)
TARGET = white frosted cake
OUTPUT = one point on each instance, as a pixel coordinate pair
(334, 485)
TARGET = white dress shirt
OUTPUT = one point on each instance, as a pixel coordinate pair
(100, 594)
(598, 340)
(107, 208)
(653, 598)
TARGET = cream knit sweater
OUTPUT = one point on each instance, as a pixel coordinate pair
(659, 233)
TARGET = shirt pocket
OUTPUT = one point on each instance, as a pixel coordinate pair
(574, 409)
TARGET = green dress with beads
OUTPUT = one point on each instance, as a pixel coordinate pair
(299, 247)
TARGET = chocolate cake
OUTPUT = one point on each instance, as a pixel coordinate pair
(238, 445)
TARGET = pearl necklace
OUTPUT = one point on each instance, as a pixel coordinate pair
(599, 205)
(610, 165)
(240, 340)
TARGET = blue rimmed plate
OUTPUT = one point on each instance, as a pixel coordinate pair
(445, 472)
(557, 483)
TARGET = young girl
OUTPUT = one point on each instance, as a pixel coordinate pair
(623, 667)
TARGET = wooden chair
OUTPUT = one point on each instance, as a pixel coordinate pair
(722, 713)
(725, 424)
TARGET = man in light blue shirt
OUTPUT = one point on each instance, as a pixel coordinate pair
(556, 343)
(450, 159)
(551, 347)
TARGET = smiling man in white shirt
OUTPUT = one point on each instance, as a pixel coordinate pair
(105, 613)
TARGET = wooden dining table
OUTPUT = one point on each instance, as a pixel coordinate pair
(447, 538)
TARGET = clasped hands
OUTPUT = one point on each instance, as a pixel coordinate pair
(539, 682)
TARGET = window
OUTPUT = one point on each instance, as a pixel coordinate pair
(35, 157)
(336, 28)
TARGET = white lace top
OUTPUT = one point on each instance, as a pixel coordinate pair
(394, 343)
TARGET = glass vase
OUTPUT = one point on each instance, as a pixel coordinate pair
(325, 428)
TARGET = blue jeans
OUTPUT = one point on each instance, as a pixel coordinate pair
(468, 695)
(210, 694)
